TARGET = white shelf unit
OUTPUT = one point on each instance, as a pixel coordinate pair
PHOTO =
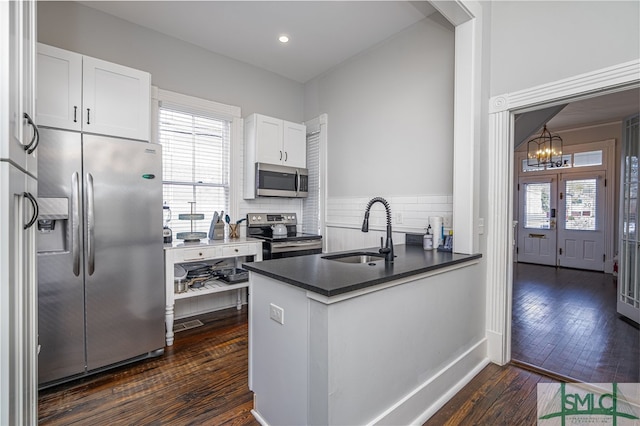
(205, 251)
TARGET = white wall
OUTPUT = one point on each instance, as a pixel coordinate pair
(174, 65)
(390, 115)
(536, 42)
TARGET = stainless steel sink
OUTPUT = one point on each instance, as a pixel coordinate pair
(356, 257)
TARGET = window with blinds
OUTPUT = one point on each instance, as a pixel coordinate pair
(537, 205)
(581, 204)
(311, 204)
(195, 164)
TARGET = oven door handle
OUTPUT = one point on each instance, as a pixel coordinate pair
(284, 247)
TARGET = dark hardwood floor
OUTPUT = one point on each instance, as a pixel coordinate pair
(565, 321)
(496, 396)
(202, 378)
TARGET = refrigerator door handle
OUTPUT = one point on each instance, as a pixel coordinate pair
(91, 250)
(75, 225)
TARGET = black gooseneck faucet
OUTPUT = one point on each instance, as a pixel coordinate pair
(387, 250)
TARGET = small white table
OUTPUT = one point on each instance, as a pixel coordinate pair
(180, 252)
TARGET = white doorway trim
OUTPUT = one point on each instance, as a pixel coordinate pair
(500, 145)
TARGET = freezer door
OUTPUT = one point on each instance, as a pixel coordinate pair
(124, 249)
(59, 245)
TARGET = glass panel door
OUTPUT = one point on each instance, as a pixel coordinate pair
(581, 220)
(537, 222)
(629, 270)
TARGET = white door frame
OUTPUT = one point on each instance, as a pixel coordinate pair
(502, 109)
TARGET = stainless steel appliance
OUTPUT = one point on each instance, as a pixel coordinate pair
(281, 181)
(276, 244)
(100, 253)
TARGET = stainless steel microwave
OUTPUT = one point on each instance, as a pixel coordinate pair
(273, 180)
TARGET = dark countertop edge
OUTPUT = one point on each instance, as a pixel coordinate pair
(364, 284)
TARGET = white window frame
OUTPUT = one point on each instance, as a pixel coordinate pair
(207, 107)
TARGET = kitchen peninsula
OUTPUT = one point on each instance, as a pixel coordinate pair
(332, 342)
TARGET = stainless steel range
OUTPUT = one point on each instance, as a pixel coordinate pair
(280, 235)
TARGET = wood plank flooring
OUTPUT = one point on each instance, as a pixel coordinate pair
(496, 396)
(200, 380)
(565, 321)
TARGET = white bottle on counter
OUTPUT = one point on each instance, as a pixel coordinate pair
(427, 240)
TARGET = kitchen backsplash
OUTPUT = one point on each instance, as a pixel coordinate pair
(409, 214)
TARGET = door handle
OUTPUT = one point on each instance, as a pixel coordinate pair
(34, 203)
(88, 115)
(75, 224)
(91, 250)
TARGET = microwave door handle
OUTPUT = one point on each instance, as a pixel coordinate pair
(297, 182)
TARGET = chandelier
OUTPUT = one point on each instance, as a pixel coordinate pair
(545, 150)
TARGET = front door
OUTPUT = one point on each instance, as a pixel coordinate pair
(581, 221)
(537, 221)
(561, 220)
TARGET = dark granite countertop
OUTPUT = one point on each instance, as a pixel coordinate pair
(331, 278)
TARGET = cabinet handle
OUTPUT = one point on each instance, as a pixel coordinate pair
(286, 156)
(280, 155)
(75, 114)
(35, 140)
(34, 203)
(88, 115)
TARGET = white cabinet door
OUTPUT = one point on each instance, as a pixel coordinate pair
(59, 100)
(295, 145)
(115, 99)
(17, 81)
(18, 389)
(268, 140)
(29, 51)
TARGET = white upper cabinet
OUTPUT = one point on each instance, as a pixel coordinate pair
(77, 92)
(17, 79)
(294, 144)
(59, 88)
(274, 141)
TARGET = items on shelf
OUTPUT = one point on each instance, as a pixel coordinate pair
(197, 275)
(191, 236)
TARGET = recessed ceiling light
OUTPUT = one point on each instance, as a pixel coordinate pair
(283, 39)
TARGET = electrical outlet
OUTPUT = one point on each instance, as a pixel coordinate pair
(446, 220)
(398, 218)
(276, 313)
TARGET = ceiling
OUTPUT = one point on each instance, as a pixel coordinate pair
(322, 35)
(601, 109)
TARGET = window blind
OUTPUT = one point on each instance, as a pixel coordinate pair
(537, 205)
(311, 204)
(195, 164)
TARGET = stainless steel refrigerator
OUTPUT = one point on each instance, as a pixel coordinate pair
(101, 289)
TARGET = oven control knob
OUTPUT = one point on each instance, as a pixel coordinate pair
(253, 218)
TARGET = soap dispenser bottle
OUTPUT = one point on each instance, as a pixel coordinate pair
(427, 240)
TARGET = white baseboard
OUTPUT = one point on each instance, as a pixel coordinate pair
(437, 390)
(259, 418)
